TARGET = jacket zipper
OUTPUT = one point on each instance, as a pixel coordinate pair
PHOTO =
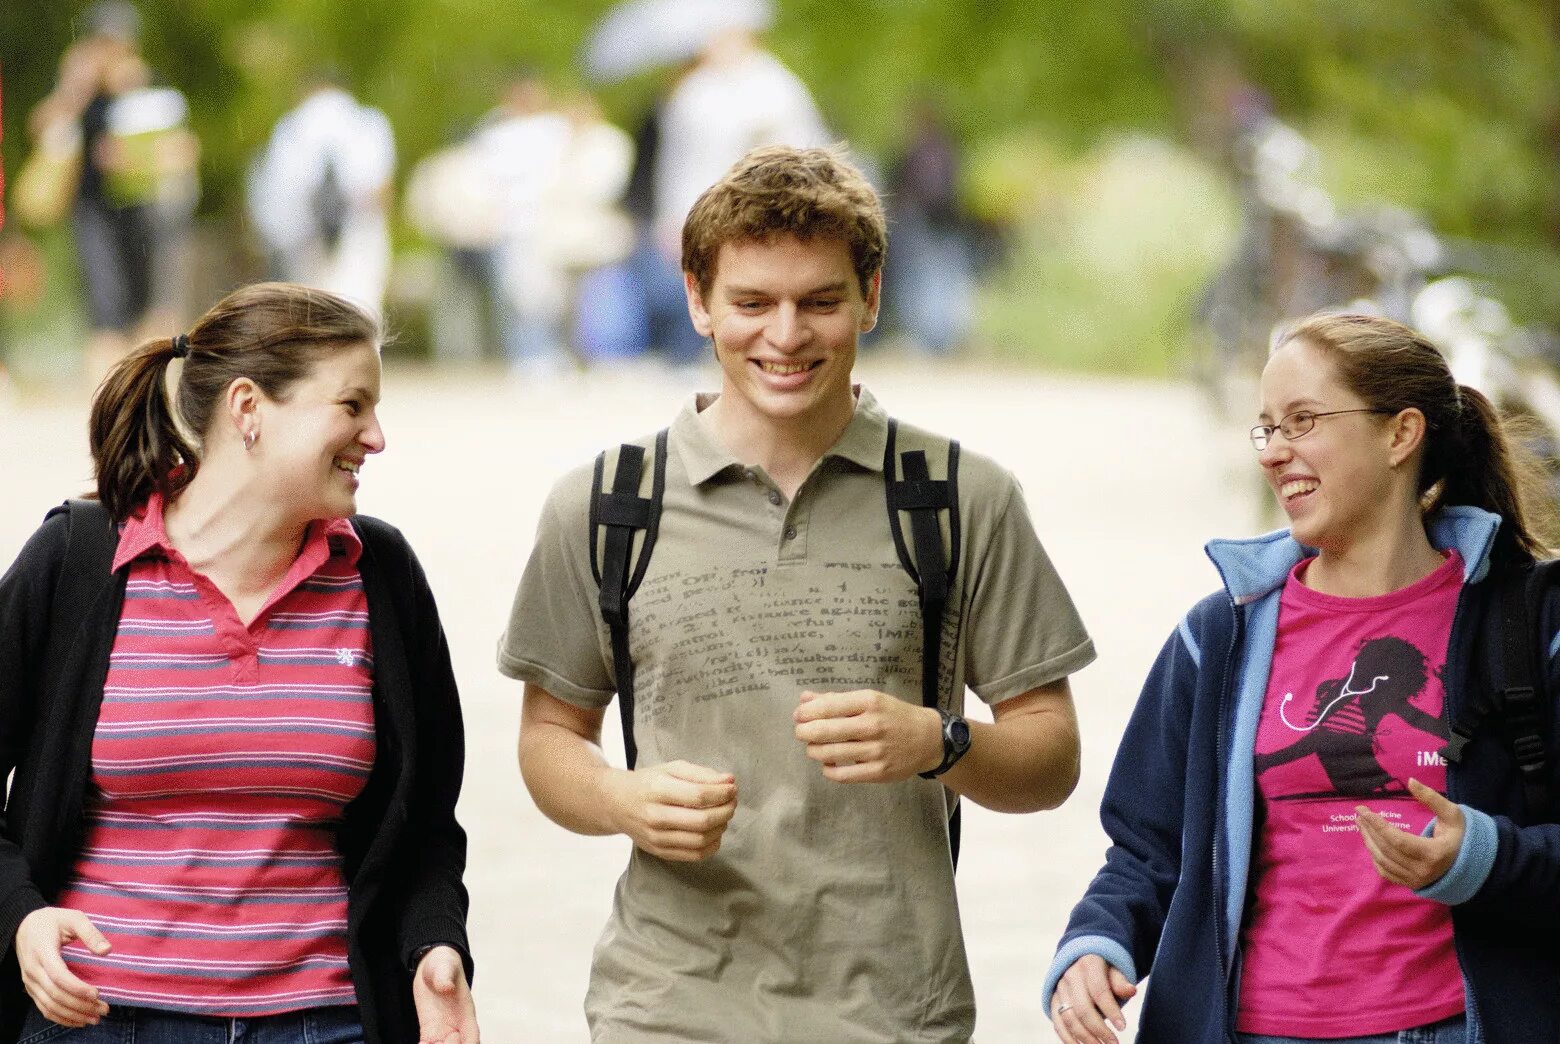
(1226, 964)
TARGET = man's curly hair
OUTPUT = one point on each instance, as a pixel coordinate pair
(779, 190)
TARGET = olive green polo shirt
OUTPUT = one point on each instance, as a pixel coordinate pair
(829, 913)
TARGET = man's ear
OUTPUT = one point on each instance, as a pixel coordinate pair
(696, 310)
(874, 301)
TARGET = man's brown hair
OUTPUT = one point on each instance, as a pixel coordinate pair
(780, 190)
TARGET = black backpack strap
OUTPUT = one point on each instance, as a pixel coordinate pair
(615, 518)
(88, 565)
(924, 499)
(1517, 655)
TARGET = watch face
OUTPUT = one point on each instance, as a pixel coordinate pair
(960, 732)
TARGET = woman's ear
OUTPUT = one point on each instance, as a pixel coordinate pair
(1406, 433)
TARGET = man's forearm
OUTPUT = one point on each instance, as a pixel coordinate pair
(1024, 763)
(566, 775)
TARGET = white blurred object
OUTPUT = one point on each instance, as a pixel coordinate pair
(454, 199)
(1469, 326)
(643, 34)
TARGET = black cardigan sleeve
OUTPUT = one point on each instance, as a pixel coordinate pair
(26, 595)
(433, 899)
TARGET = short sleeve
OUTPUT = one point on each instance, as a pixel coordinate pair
(1022, 630)
(553, 638)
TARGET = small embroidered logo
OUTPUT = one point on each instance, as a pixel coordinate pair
(344, 657)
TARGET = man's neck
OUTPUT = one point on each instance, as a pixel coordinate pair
(787, 449)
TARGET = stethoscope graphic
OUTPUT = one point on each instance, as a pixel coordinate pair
(1345, 694)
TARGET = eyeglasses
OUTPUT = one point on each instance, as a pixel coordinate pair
(1296, 425)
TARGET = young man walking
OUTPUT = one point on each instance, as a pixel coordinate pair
(755, 585)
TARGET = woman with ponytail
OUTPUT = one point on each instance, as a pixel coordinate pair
(230, 712)
(1298, 852)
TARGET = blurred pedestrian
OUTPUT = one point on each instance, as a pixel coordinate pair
(932, 268)
(523, 144)
(228, 705)
(126, 137)
(1331, 816)
(319, 194)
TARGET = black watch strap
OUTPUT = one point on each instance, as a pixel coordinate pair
(956, 741)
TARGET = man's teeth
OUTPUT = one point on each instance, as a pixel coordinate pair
(349, 466)
(1294, 489)
(784, 369)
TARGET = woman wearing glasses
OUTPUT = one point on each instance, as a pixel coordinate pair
(1284, 857)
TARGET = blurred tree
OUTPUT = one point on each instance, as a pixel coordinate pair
(1452, 106)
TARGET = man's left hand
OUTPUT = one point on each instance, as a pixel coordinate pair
(445, 1011)
(1410, 859)
(866, 736)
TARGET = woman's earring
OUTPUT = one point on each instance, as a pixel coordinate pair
(249, 439)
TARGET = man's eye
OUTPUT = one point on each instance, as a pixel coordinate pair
(825, 303)
(353, 406)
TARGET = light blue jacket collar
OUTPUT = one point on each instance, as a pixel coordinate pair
(1257, 566)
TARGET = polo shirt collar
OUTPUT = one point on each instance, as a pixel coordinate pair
(704, 458)
(144, 531)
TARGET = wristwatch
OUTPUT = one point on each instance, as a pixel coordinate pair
(956, 740)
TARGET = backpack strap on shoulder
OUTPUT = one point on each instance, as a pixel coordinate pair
(88, 565)
(924, 499)
(615, 518)
(1516, 653)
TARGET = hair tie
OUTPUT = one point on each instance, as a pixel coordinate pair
(181, 345)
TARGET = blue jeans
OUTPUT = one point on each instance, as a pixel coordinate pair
(125, 1025)
(1451, 1031)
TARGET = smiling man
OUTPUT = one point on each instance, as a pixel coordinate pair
(760, 586)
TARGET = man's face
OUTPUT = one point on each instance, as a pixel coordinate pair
(785, 314)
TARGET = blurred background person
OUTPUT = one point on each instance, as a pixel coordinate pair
(731, 96)
(522, 144)
(319, 194)
(454, 200)
(123, 142)
(931, 272)
(586, 230)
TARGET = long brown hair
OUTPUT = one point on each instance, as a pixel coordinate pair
(1469, 455)
(271, 333)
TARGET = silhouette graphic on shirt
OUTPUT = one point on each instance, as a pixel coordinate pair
(1341, 728)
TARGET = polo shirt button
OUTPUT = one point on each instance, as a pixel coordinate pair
(790, 532)
(774, 496)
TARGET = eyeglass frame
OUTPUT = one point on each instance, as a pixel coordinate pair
(1264, 433)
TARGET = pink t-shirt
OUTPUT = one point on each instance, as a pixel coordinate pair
(1353, 710)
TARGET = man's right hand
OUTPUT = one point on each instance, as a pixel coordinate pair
(676, 811)
(1090, 993)
(59, 994)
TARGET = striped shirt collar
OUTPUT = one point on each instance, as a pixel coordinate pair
(144, 531)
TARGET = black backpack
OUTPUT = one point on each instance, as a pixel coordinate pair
(617, 517)
(1515, 700)
(328, 204)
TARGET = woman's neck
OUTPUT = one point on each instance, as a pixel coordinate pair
(1386, 561)
(230, 530)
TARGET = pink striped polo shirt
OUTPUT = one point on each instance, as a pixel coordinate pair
(223, 758)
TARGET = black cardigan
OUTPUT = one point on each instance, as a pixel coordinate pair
(403, 851)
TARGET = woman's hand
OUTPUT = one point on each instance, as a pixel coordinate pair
(1409, 859)
(446, 1013)
(58, 993)
(1089, 993)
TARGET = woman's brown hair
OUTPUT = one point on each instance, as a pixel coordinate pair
(1470, 456)
(271, 333)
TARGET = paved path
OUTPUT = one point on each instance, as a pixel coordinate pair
(1125, 482)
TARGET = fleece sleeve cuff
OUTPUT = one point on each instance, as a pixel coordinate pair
(1475, 859)
(1113, 952)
